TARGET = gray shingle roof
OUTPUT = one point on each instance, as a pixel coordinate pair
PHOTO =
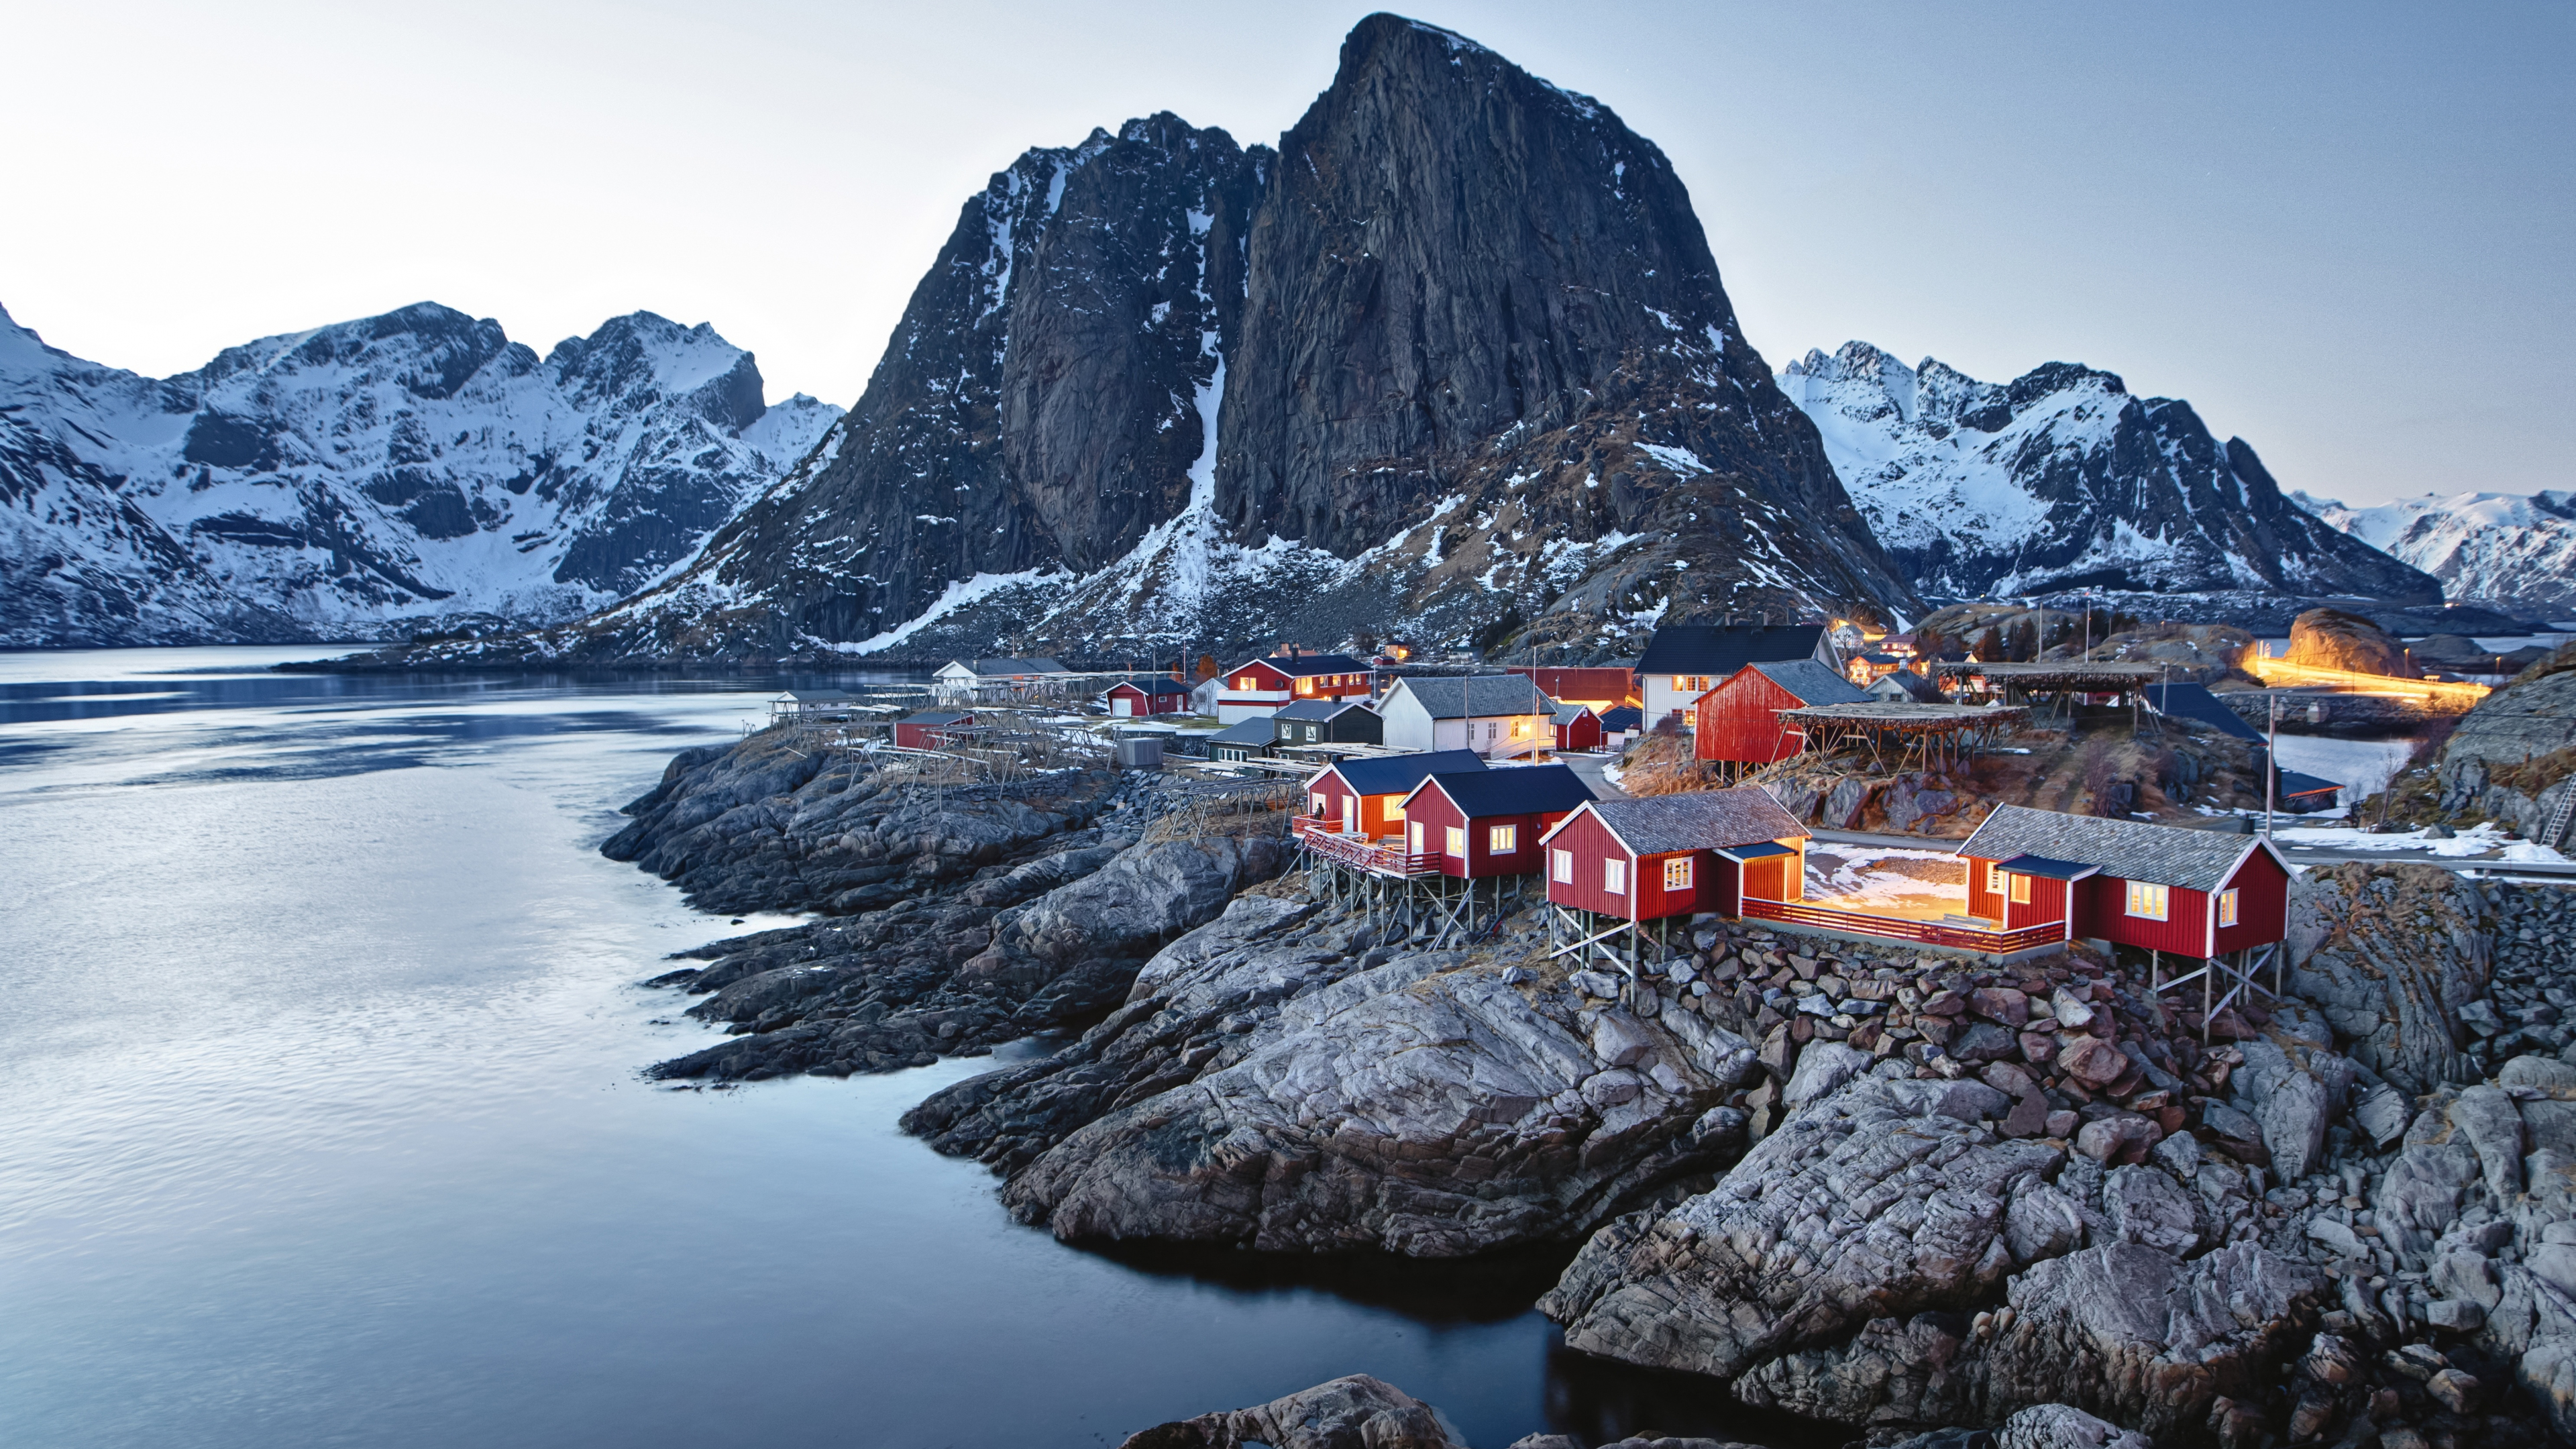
(934, 717)
(1699, 820)
(2196, 860)
(1478, 696)
(1248, 732)
(1905, 684)
(1016, 666)
(1567, 714)
(1810, 681)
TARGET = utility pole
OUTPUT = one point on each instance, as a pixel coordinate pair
(2271, 763)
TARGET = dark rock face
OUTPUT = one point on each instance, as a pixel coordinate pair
(2063, 479)
(1455, 358)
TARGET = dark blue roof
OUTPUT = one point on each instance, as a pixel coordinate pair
(2195, 702)
(1299, 666)
(1398, 774)
(1759, 850)
(1530, 790)
(2294, 783)
(1155, 686)
(1625, 717)
(1718, 650)
(2041, 865)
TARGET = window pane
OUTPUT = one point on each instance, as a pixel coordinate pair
(1614, 877)
(1457, 842)
(1565, 866)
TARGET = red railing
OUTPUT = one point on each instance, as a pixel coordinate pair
(1380, 856)
(1929, 933)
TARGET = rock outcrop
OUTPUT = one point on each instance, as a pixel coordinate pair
(1276, 1082)
(2513, 756)
(1357, 1412)
(2358, 950)
(2336, 639)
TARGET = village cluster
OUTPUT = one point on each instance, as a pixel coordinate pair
(1449, 801)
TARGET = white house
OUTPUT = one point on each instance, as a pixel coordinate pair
(1684, 661)
(1496, 715)
(972, 680)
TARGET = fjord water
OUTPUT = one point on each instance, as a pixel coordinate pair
(321, 1123)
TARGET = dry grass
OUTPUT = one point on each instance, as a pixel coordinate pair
(1664, 765)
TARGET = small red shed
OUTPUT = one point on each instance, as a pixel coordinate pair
(1488, 822)
(1577, 727)
(2157, 887)
(1145, 698)
(1676, 855)
(1366, 797)
(1740, 718)
(929, 729)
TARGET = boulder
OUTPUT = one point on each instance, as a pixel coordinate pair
(1822, 1070)
(1347, 1413)
(2333, 639)
(2058, 1426)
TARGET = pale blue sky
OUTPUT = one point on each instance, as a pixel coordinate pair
(2343, 231)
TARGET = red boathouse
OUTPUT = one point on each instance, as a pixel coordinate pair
(929, 730)
(1488, 822)
(1740, 721)
(1145, 698)
(1676, 855)
(2192, 893)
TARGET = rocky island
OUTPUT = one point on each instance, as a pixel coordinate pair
(1889, 1190)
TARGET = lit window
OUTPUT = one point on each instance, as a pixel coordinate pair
(1677, 873)
(1994, 878)
(1614, 877)
(1305, 686)
(1565, 866)
(2020, 889)
(1520, 729)
(1394, 809)
(1246, 682)
(1503, 839)
(2227, 908)
(1458, 841)
(1318, 802)
(1415, 833)
(2148, 902)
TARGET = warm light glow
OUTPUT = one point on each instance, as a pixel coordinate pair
(2282, 672)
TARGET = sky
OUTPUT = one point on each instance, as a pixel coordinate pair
(2344, 232)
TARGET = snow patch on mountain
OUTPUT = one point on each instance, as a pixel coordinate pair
(2508, 550)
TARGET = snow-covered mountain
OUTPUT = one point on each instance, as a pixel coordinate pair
(371, 478)
(1451, 362)
(2062, 479)
(2507, 550)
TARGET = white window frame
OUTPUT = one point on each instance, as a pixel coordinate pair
(1614, 877)
(1677, 873)
(2020, 885)
(1413, 836)
(1994, 877)
(1320, 804)
(1454, 841)
(2149, 901)
(1564, 866)
(2229, 909)
(1502, 839)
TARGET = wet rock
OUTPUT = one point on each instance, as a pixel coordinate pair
(1346, 1413)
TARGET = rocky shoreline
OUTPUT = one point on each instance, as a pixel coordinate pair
(1887, 1191)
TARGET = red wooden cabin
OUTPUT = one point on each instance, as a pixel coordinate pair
(1740, 718)
(1366, 797)
(2157, 887)
(1600, 687)
(1258, 687)
(1676, 855)
(928, 730)
(1488, 822)
(1145, 698)
(1577, 727)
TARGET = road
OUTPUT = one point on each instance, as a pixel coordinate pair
(2296, 854)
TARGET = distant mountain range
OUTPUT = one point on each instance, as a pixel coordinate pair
(2063, 479)
(2504, 550)
(371, 479)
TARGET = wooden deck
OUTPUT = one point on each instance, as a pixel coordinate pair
(1386, 857)
(1896, 928)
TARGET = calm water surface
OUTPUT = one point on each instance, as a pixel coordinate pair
(320, 1123)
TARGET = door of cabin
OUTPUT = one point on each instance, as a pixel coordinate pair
(1350, 815)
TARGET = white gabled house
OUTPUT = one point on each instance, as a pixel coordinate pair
(1499, 716)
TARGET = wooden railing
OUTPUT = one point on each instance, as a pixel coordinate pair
(1382, 857)
(1894, 928)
